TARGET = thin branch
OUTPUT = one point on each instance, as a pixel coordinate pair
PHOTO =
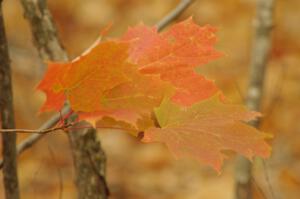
(63, 127)
(28, 142)
(43, 131)
(184, 4)
(260, 56)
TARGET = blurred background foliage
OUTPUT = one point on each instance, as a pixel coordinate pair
(139, 171)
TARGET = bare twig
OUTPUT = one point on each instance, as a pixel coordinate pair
(28, 142)
(10, 175)
(173, 14)
(260, 56)
(44, 131)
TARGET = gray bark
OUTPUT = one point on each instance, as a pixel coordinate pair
(180, 8)
(43, 30)
(89, 160)
(260, 54)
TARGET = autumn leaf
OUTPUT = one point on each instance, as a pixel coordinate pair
(205, 129)
(102, 82)
(173, 55)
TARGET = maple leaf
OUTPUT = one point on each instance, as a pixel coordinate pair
(205, 129)
(173, 55)
(102, 83)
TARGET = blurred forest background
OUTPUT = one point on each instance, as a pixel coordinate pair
(140, 171)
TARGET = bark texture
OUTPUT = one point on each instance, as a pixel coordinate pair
(10, 174)
(263, 25)
(43, 30)
(89, 160)
(90, 173)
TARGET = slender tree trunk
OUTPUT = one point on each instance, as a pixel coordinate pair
(10, 174)
(89, 158)
(260, 54)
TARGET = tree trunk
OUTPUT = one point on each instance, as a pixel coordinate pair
(10, 174)
(89, 160)
(260, 54)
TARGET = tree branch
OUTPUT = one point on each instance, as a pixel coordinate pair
(260, 55)
(43, 30)
(10, 174)
(173, 14)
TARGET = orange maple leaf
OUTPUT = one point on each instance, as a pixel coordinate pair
(102, 82)
(203, 130)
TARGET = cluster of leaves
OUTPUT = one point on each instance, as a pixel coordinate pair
(146, 81)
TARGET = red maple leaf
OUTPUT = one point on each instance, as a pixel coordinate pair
(174, 54)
